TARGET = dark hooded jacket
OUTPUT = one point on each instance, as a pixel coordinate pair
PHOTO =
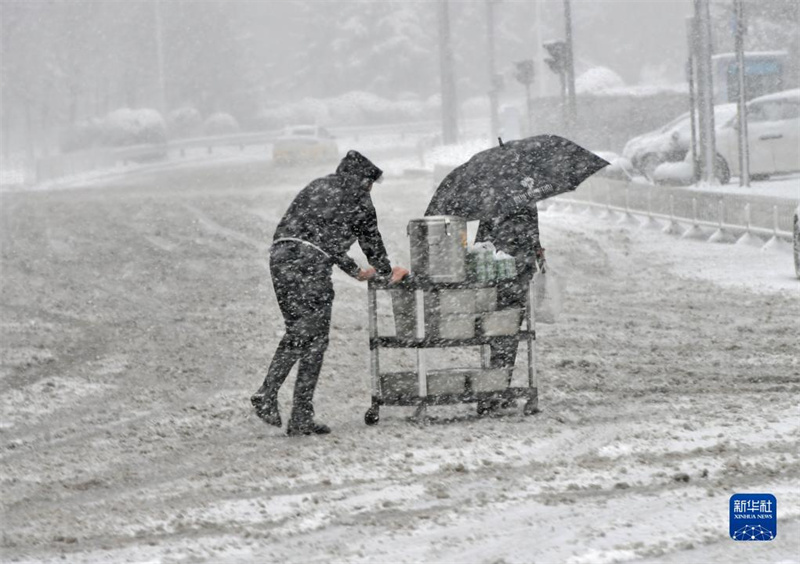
(335, 211)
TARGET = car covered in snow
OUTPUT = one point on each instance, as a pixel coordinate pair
(773, 135)
(670, 143)
(305, 144)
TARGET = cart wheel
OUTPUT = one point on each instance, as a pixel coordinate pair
(531, 407)
(372, 416)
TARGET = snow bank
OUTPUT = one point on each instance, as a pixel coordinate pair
(121, 127)
(184, 122)
(133, 127)
(220, 124)
(597, 80)
(681, 172)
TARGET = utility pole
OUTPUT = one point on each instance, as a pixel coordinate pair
(705, 90)
(542, 90)
(744, 149)
(572, 112)
(558, 63)
(162, 89)
(691, 34)
(524, 74)
(448, 85)
(494, 85)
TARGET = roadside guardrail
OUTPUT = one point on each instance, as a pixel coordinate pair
(733, 215)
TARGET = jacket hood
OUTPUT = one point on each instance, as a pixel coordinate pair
(354, 164)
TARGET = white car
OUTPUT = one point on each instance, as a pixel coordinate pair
(773, 135)
(305, 144)
(670, 143)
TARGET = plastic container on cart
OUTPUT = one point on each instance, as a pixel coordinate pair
(480, 263)
(500, 323)
(489, 380)
(504, 265)
(404, 310)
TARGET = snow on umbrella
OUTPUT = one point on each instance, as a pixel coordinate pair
(500, 180)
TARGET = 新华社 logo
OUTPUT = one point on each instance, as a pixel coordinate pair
(753, 517)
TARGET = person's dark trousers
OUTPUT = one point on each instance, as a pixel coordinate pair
(301, 277)
(511, 294)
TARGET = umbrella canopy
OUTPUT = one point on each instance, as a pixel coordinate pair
(500, 180)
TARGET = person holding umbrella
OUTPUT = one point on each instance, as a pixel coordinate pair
(321, 224)
(500, 187)
(516, 234)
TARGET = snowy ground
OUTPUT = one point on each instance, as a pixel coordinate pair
(137, 318)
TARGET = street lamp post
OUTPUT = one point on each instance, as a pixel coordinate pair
(572, 112)
(690, 32)
(493, 82)
(448, 86)
(705, 90)
(162, 88)
(557, 63)
(524, 74)
(744, 149)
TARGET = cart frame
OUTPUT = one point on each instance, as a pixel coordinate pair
(423, 342)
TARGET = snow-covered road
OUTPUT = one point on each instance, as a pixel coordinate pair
(137, 318)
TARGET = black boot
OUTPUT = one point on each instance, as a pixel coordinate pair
(266, 405)
(307, 428)
(302, 422)
(302, 419)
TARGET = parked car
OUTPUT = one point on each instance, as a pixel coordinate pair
(773, 135)
(305, 144)
(670, 143)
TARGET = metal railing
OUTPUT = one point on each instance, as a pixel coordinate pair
(68, 164)
(731, 215)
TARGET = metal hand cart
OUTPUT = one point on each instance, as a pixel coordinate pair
(421, 399)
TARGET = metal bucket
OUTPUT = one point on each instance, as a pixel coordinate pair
(438, 248)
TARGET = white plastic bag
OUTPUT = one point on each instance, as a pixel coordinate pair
(547, 289)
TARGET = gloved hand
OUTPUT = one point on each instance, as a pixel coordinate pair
(398, 273)
(365, 274)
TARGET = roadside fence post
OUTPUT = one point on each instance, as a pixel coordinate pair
(695, 231)
(721, 235)
(627, 218)
(673, 227)
(649, 222)
(775, 242)
(748, 238)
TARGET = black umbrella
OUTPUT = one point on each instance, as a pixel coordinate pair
(500, 180)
